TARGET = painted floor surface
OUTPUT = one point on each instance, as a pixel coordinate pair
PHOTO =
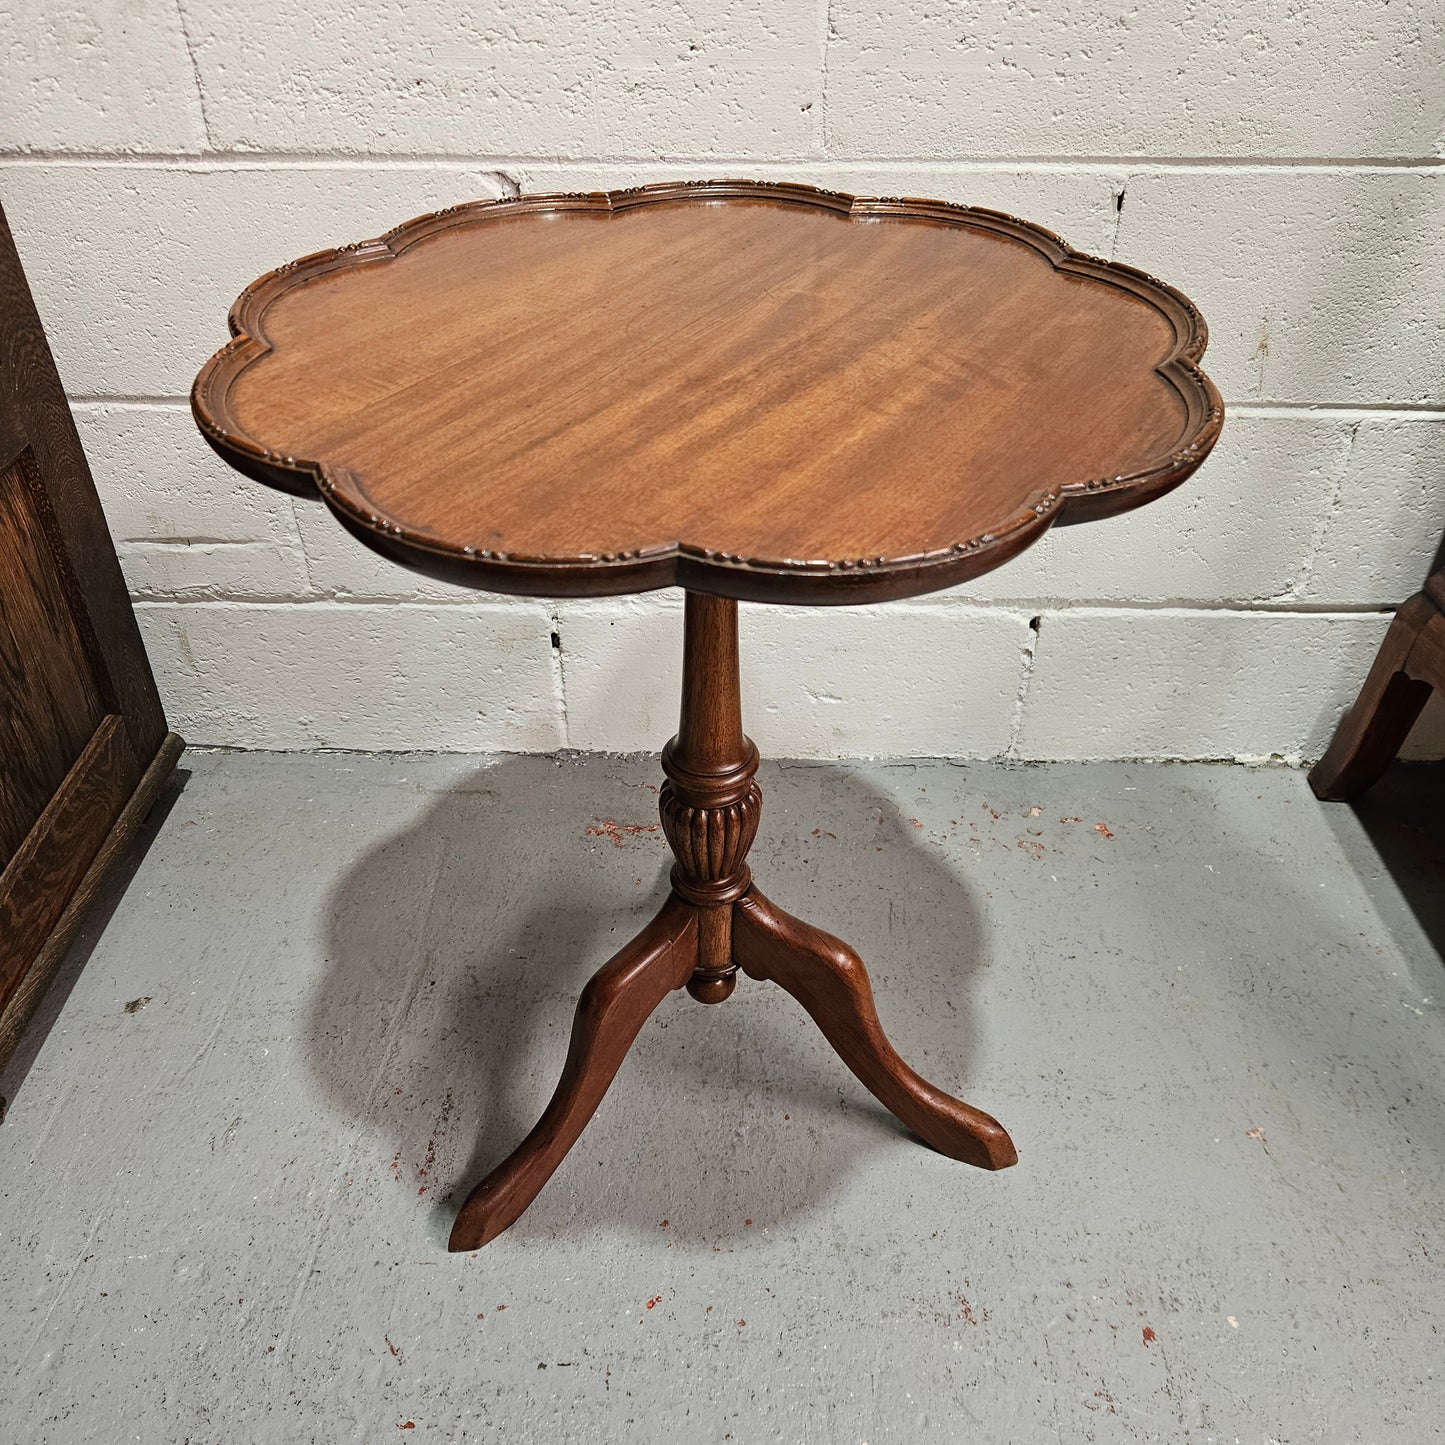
(1210, 1010)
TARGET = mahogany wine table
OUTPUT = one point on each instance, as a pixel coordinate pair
(753, 391)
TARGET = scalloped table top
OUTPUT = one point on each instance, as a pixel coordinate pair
(759, 391)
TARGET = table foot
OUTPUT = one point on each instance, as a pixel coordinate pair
(616, 1003)
(829, 980)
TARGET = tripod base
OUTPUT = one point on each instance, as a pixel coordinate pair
(825, 976)
(713, 924)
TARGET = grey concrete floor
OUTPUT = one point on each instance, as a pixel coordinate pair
(337, 988)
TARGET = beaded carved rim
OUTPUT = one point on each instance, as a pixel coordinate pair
(595, 574)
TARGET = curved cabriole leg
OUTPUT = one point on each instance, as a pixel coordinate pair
(616, 1003)
(1372, 732)
(831, 983)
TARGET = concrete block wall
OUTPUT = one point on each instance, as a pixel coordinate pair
(1285, 165)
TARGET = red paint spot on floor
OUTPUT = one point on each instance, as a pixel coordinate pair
(666, 1222)
(653, 1301)
(501, 1307)
(992, 812)
(741, 1323)
(395, 1353)
(747, 1223)
(439, 1129)
(410, 1425)
(1102, 829)
(1149, 1337)
(610, 828)
(1071, 820)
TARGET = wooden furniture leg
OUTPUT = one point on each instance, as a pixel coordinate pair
(1405, 672)
(714, 922)
(618, 1000)
(829, 980)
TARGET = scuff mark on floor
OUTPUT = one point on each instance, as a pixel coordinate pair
(616, 832)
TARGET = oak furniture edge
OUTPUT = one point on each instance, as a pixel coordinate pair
(25, 1002)
(1408, 667)
(82, 726)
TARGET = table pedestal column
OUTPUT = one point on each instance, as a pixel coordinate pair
(714, 923)
(710, 803)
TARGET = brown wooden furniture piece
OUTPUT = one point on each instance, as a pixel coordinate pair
(1409, 666)
(83, 741)
(761, 392)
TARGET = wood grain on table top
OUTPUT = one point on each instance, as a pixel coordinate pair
(826, 401)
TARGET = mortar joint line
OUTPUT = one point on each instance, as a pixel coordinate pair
(825, 11)
(559, 671)
(195, 72)
(1026, 672)
(1323, 523)
(212, 155)
(1118, 196)
(300, 538)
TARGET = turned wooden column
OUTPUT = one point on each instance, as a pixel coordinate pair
(710, 802)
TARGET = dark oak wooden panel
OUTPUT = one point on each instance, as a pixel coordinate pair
(50, 703)
(38, 881)
(82, 732)
(754, 390)
(29, 993)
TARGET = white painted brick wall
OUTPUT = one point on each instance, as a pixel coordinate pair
(818, 682)
(321, 674)
(1285, 165)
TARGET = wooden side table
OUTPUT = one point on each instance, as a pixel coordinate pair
(762, 392)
